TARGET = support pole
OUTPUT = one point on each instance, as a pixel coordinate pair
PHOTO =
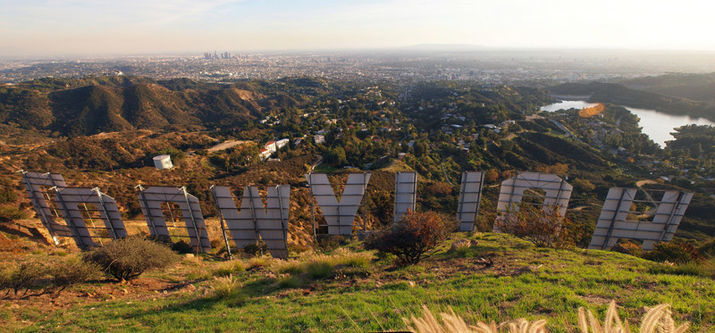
(613, 220)
(199, 246)
(45, 218)
(223, 228)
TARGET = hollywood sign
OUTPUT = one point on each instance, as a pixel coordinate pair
(269, 222)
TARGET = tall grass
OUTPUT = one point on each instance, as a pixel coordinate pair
(319, 265)
(314, 266)
(225, 286)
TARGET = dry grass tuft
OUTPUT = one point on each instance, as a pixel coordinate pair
(657, 320)
(452, 323)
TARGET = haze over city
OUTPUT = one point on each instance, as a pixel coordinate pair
(41, 28)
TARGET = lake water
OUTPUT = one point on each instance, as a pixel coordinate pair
(566, 105)
(656, 125)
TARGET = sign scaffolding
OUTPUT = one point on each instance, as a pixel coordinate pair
(616, 219)
(470, 194)
(151, 199)
(256, 221)
(34, 183)
(405, 194)
(339, 215)
(557, 192)
(73, 205)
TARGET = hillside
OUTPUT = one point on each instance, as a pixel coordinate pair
(370, 295)
(104, 132)
(437, 129)
(619, 94)
(697, 87)
(90, 106)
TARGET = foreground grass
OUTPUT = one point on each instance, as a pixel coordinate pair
(316, 293)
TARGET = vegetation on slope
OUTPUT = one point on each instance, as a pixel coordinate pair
(263, 294)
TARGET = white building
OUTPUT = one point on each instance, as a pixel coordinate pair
(266, 153)
(318, 139)
(281, 143)
(162, 162)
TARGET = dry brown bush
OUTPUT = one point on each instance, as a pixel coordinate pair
(543, 226)
(127, 258)
(410, 238)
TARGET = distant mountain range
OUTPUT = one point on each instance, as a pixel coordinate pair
(108, 104)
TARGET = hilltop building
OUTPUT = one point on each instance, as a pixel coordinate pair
(162, 162)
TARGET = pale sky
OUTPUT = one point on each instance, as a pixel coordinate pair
(106, 27)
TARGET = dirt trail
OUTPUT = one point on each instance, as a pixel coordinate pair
(227, 144)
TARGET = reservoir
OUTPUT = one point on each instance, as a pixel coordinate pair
(657, 125)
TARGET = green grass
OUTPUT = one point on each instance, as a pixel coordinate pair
(524, 281)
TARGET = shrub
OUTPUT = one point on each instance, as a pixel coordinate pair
(704, 269)
(674, 252)
(25, 278)
(328, 243)
(629, 248)
(253, 249)
(229, 268)
(544, 227)
(258, 262)
(7, 195)
(127, 258)
(410, 238)
(35, 278)
(9, 213)
(319, 270)
(708, 249)
(72, 271)
(182, 247)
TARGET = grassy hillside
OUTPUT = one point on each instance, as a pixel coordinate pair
(365, 293)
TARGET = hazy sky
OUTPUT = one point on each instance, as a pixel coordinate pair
(94, 27)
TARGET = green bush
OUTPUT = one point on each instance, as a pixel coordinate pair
(182, 247)
(127, 258)
(691, 268)
(674, 252)
(253, 249)
(708, 249)
(410, 238)
(319, 270)
(72, 271)
(7, 195)
(9, 213)
(327, 243)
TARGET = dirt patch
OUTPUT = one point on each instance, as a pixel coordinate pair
(592, 299)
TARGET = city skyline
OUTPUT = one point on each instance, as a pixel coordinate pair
(83, 27)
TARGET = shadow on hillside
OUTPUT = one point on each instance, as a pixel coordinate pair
(261, 287)
(32, 233)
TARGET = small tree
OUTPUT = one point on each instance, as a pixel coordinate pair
(409, 239)
(126, 259)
